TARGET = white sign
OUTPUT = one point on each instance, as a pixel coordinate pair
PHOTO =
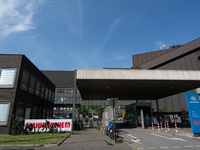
(65, 124)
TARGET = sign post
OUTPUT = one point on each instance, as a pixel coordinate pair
(193, 105)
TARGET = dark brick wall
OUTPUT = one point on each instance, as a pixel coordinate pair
(8, 94)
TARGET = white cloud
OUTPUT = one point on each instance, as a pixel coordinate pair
(160, 45)
(16, 16)
(112, 27)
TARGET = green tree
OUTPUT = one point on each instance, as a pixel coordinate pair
(100, 111)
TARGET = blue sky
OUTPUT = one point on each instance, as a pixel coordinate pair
(94, 34)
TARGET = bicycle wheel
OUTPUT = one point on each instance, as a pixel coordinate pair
(31, 130)
(42, 129)
(56, 129)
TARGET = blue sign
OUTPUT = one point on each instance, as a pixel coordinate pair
(193, 105)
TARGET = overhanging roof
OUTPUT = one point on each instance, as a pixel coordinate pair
(132, 84)
(172, 55)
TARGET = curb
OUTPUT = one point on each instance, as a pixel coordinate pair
(64, 140)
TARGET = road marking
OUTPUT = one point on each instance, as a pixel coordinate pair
(152, 148)
(136, 140)
(189, 146)
(176, 146)
(169, 137)
(164, 147)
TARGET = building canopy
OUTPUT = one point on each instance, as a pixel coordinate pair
(134, 84)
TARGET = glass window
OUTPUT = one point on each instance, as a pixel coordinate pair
(28, 112)
(34, 113)
(38, 85)
(20, 111)
(46, 93)
(49, 97)
(54, 108)
(52, 96)
(77, 99)
(40, 113)
(118, 107)
(25, 79)
(71, 108)
(67, 108)
(44, 113)
(61, 108)
(32, 84)
(4, 111)
(42, 91)
(7, 77)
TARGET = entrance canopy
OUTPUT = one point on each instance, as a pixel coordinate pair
(133, 84)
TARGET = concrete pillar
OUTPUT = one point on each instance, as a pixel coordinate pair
(142, 118)
(74, 101)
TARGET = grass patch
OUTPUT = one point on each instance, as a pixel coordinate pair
(35, 139)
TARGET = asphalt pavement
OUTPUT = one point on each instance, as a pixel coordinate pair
(90, 139)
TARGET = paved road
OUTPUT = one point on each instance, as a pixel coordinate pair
(152, 139)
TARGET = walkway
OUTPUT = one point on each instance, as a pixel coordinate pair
(92, 139)
(88, 139)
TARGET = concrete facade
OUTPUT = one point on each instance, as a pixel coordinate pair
(182, 57)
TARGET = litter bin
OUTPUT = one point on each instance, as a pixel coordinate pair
(91, 123)
(136, 123)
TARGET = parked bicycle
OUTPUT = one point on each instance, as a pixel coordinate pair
(29, 129)
(53, 127)
(98, 126)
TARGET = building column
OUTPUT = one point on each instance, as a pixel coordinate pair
(74, 101)
(158, 111)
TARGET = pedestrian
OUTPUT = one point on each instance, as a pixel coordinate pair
(147, 121)
(86, 120)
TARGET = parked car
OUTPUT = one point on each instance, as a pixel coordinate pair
(120, 118)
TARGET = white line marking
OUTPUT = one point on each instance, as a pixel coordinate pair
(189, 146)
(152, 148)
(164, 147)
(169, 137)
(176, 146)
(136, 140)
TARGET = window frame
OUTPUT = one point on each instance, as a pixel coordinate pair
(3, 123)
(13, 80)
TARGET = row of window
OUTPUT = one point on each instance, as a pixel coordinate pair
(69, 99)
(34, 86)
(66, 90)
(62, 108)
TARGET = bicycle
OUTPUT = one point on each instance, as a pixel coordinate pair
(29, 129)
(53, 127)
(114, 135)
(98, 126)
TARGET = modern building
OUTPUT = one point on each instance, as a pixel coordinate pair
(177, 57)
(63, 102)
(160, 78)
(24, 91)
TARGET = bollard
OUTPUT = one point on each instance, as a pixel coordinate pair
(152, 125)
(158, 126)
(176, 128)
(165, 128)
(161, 125)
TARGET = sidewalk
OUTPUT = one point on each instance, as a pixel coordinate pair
(88, 139)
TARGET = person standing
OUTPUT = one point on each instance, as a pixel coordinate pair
(86, 120)
(147, 121)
